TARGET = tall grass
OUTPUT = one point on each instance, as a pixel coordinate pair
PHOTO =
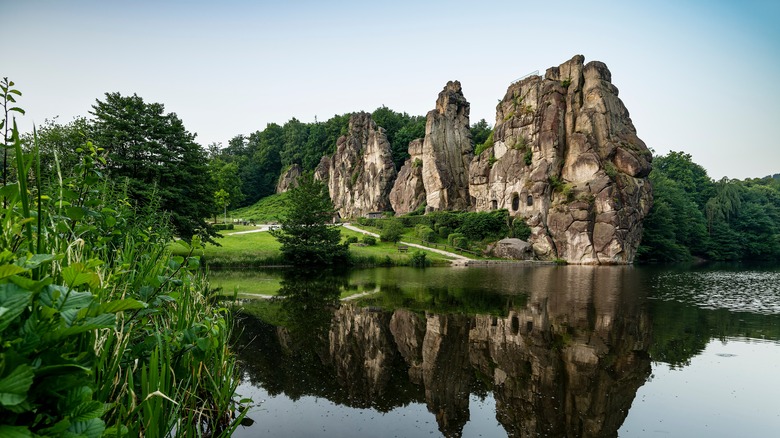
(102, 331)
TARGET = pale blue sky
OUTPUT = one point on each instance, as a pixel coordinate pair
(698, 76)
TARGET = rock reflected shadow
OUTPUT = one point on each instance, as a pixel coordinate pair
(562, 351)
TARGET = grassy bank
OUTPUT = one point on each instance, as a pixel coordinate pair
(261, 249)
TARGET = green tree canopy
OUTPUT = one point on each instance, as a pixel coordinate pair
(306, 235)
(158, 157)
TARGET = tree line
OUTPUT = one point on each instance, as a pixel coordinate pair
(695, 216)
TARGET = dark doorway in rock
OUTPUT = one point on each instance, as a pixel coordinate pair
(515, 201)
(494, 204)
(529, 201)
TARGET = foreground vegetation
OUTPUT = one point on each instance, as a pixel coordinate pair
(102, 331)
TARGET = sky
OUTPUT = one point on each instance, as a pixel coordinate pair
(696, 76)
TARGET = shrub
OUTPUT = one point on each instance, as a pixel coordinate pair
(444, 219)
(223, 227)
(444, 232)
(369, 240)
(391, 231)
(451, 238)
(528, 157)
(482, 146)
(520, 229)
(460, 242)
(480, 225)
(351, 239)
(418, 259)
(425, 233)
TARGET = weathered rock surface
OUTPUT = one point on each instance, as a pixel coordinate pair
(361, 173)
(447, 151)
(567, 159)
(289, 179)
(511, 248)
(408, 192)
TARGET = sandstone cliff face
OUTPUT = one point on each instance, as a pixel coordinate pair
(361, 173)
(566, 158)
(447, 151)
(408, 192)
(289, 179)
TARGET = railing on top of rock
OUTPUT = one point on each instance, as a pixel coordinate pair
(533, 73)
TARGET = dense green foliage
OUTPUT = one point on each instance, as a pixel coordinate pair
(461, 230)
(306, 236)
(158, 157)
(693, 215)
(101, 331)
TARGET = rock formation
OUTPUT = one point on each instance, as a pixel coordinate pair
(447, 151)
(408, 192)
(289, 179)
(361, 172)
(567, 159)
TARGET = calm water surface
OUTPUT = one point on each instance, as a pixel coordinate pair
(516, 351)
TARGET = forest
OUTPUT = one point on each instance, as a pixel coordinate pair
(693, 216)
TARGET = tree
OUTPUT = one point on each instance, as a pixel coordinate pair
(158, 157)
(307, 238)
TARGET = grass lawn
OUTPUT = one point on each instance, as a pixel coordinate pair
(265, 211)
(382, 250)
(242, 250)
(261, 249)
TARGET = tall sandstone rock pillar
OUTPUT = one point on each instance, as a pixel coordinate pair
(567, 159)
(447, 151)
(360, 174)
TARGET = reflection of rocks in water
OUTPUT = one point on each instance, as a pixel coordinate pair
(570, 363)
(362, 351)
(408, 329)
(446, 371)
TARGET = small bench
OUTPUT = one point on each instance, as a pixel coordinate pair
(403, 248)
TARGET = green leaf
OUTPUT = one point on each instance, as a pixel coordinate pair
(15, 432)
(14, 387)
(202, 343)
(30, 284)
(17, 109)
(10, 191)
(93, 428)
(75, 213)
(121, 305)
(38, 259)
(13, 301)
(74, 275)
(87, 411)
(57, 296)
(116, 431)
(9, 270)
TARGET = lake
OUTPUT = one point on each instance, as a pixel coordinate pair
(514, 351)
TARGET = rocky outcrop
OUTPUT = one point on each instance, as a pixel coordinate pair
(408, 192)
(567, 159)
(289, 179)
(361, 173)
(511, 248)
(447, 151)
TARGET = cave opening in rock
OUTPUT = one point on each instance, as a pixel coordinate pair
(515, 201)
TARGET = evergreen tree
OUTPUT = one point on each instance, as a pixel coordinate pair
(158, 157)
(306, 235)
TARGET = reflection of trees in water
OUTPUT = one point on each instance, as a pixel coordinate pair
(567, 361)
